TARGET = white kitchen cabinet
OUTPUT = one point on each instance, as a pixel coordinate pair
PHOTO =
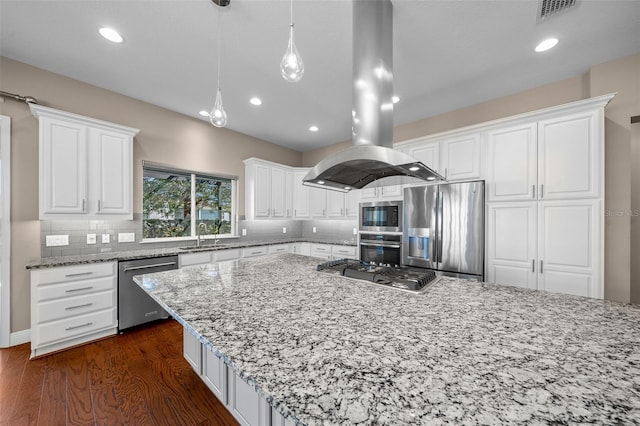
(228, 254)
(391, 192)
(192, 350)
(551, 245)
(199, 258)
(278, 419)
(71, 305)
(552, 159)
(301, 248)
(288, 194)
(254, 251)
(512, 163)
(460, 157)
(318, 202)
(279, 248)
(342, 205)
(427, 152)
(215, 374)
(245, 404)
(300, 195)
(266, 189)
(321, 250)
(86, 166)
(343, 252)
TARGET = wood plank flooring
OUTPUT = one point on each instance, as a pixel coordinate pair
(137, 378)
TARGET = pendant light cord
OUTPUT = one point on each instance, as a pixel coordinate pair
(219, 45)
(291, 24)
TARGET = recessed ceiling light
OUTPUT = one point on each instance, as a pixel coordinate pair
(431, 178)
(313, 128)
(204, 113)
(414, 168)
(255, 101)
(546, 45)
(395, 99)
(111, 34)
(347, 188)
(320, 182)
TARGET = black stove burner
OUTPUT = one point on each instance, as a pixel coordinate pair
(396, 276)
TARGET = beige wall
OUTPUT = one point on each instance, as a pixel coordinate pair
(165, 137)
(621, 76)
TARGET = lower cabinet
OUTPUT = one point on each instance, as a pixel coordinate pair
(242, 401)
(552, 245)
(301, 248)
(321, 250)
(71, 305)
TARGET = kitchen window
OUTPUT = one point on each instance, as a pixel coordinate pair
(179, 204)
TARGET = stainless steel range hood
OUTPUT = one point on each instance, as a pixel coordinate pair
(372, 157)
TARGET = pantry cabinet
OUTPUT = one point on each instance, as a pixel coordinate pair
(86, 166)
(551, 245)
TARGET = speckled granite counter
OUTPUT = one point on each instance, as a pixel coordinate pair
(324, 349)
(48, 262)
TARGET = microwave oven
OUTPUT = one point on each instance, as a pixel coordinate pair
(381, 216)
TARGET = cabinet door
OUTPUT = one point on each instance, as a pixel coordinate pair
(369, 193)
(288, 194)
(352, 204)
(245, 404)
(214, 374)
(112, 157)
(460, 158)
(335, 204)
(427, 153)
(278, 190)
(63, 167)
(569, 158)
(262, 193)
(300, 196)
(318, 202)
(512, 239)
(512, 163)
(192, 350)
(391, 192)
(569, 242)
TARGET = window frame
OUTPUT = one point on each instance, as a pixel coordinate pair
(194, 220)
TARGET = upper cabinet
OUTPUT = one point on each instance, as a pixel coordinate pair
(552, 159)
(460, 158)
(86, 166)
(266, 189)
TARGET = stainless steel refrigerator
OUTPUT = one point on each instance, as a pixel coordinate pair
(444, 228)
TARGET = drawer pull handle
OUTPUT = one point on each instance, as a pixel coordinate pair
(79, 289)
(78, 326)
(78, 274)
(256, 252)
(78, 306)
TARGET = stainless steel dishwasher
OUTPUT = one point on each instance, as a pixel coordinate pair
(135, 306)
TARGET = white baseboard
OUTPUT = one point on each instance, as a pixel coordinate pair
(20, 337)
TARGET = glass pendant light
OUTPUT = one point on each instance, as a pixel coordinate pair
(217, 116)
(292, 66)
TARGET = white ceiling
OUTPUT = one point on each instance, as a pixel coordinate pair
(447, 54)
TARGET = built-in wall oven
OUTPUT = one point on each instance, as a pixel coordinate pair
(380, 225)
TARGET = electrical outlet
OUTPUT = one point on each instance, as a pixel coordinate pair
(284, 229)
(355, 231)
(57, 240)
(314, 229)
(106, 238)
(126, 237)
(91, 238)
(244, 232)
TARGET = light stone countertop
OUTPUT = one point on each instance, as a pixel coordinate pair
(324, 349)
(49, 262)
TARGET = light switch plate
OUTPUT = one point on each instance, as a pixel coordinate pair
(57, 240)
(126, 237)
(314, 229)
(106, 238)
(244, 232)
(355, 231)
(284, 229)
(91, 238)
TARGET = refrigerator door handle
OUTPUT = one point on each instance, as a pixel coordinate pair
(439, 218)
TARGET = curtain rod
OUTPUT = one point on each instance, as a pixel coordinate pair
(26, 99)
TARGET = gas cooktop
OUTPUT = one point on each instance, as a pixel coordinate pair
(402, 277)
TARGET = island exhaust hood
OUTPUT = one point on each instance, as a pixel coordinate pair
(372, 157)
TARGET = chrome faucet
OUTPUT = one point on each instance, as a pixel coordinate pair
(198, 234)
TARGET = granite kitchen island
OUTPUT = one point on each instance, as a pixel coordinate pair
(323, 349)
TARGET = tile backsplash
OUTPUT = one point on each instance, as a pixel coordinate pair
(256, 230)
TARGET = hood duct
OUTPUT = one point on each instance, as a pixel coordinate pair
(372, 157)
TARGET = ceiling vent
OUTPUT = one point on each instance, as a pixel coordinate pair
(549, 8)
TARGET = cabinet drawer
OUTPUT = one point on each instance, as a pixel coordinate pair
(321, 250)
(195, 258)
(75, 326)
(280, 248)
(74, 288)
(73, 273)
(255, 251)
(72, 306)
(343, 252)
(228, 255)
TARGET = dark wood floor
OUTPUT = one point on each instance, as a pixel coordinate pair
(137, 378)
